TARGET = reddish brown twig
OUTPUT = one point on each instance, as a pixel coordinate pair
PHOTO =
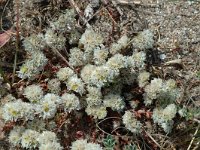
(17, 40)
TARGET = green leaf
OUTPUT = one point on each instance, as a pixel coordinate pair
(109, 142)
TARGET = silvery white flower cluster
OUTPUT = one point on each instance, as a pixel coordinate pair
(94, 96)
(47, 108)
(31, 139)
(12, 111)
(75, 84)
(54, 36)
(72, 81)
(48, 141)
(144, 40)
(65, 22)
(165, 92)
(137, 60)
(98, 112)
(54, 86)
(99, 68)
(94, 103)
(131, 122)
(114, 101)
(54, 40)
(84, 145)
(90, 40)
(121, 44)
(97, 103)
(15, 135)
(33, 65)
(33, 93)
(35, 43)
(143, 78)
(164, 117)
(65, 73)
(100, 55)
(44, 106)
(76, 57)
(70, 102)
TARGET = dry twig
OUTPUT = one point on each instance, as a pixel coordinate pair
(17, 41)
(103, 121)
(195, 133)
(62, 57)
(149, 135)
(117, 7)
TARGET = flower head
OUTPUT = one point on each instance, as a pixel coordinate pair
(29, 139)
(75, 84)
(131, 122)
(93, 146)
(144, 40)
(51, 146)
(17, 110)
(34, 93)
(65, 22)
(65, 73)
(102, 75)
(94, 96)
(79, 145)
(114, 101)
(100, 55)
(86, 72)
(84, 145)
(70, 102)
(33, 65)
(53, 40)
(34, 43)
(52, 97)
(90, 39)
(54, 86)
(121, 43)
(76, 57)
(164, 117)
(143, 78)
(47, 137)
(15, 135)
(99, 112)
(118, 61)
(47, 109)
(137, 60)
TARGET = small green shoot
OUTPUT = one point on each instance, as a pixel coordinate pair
(109, 142)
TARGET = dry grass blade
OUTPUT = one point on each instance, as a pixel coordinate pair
(195, 133)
